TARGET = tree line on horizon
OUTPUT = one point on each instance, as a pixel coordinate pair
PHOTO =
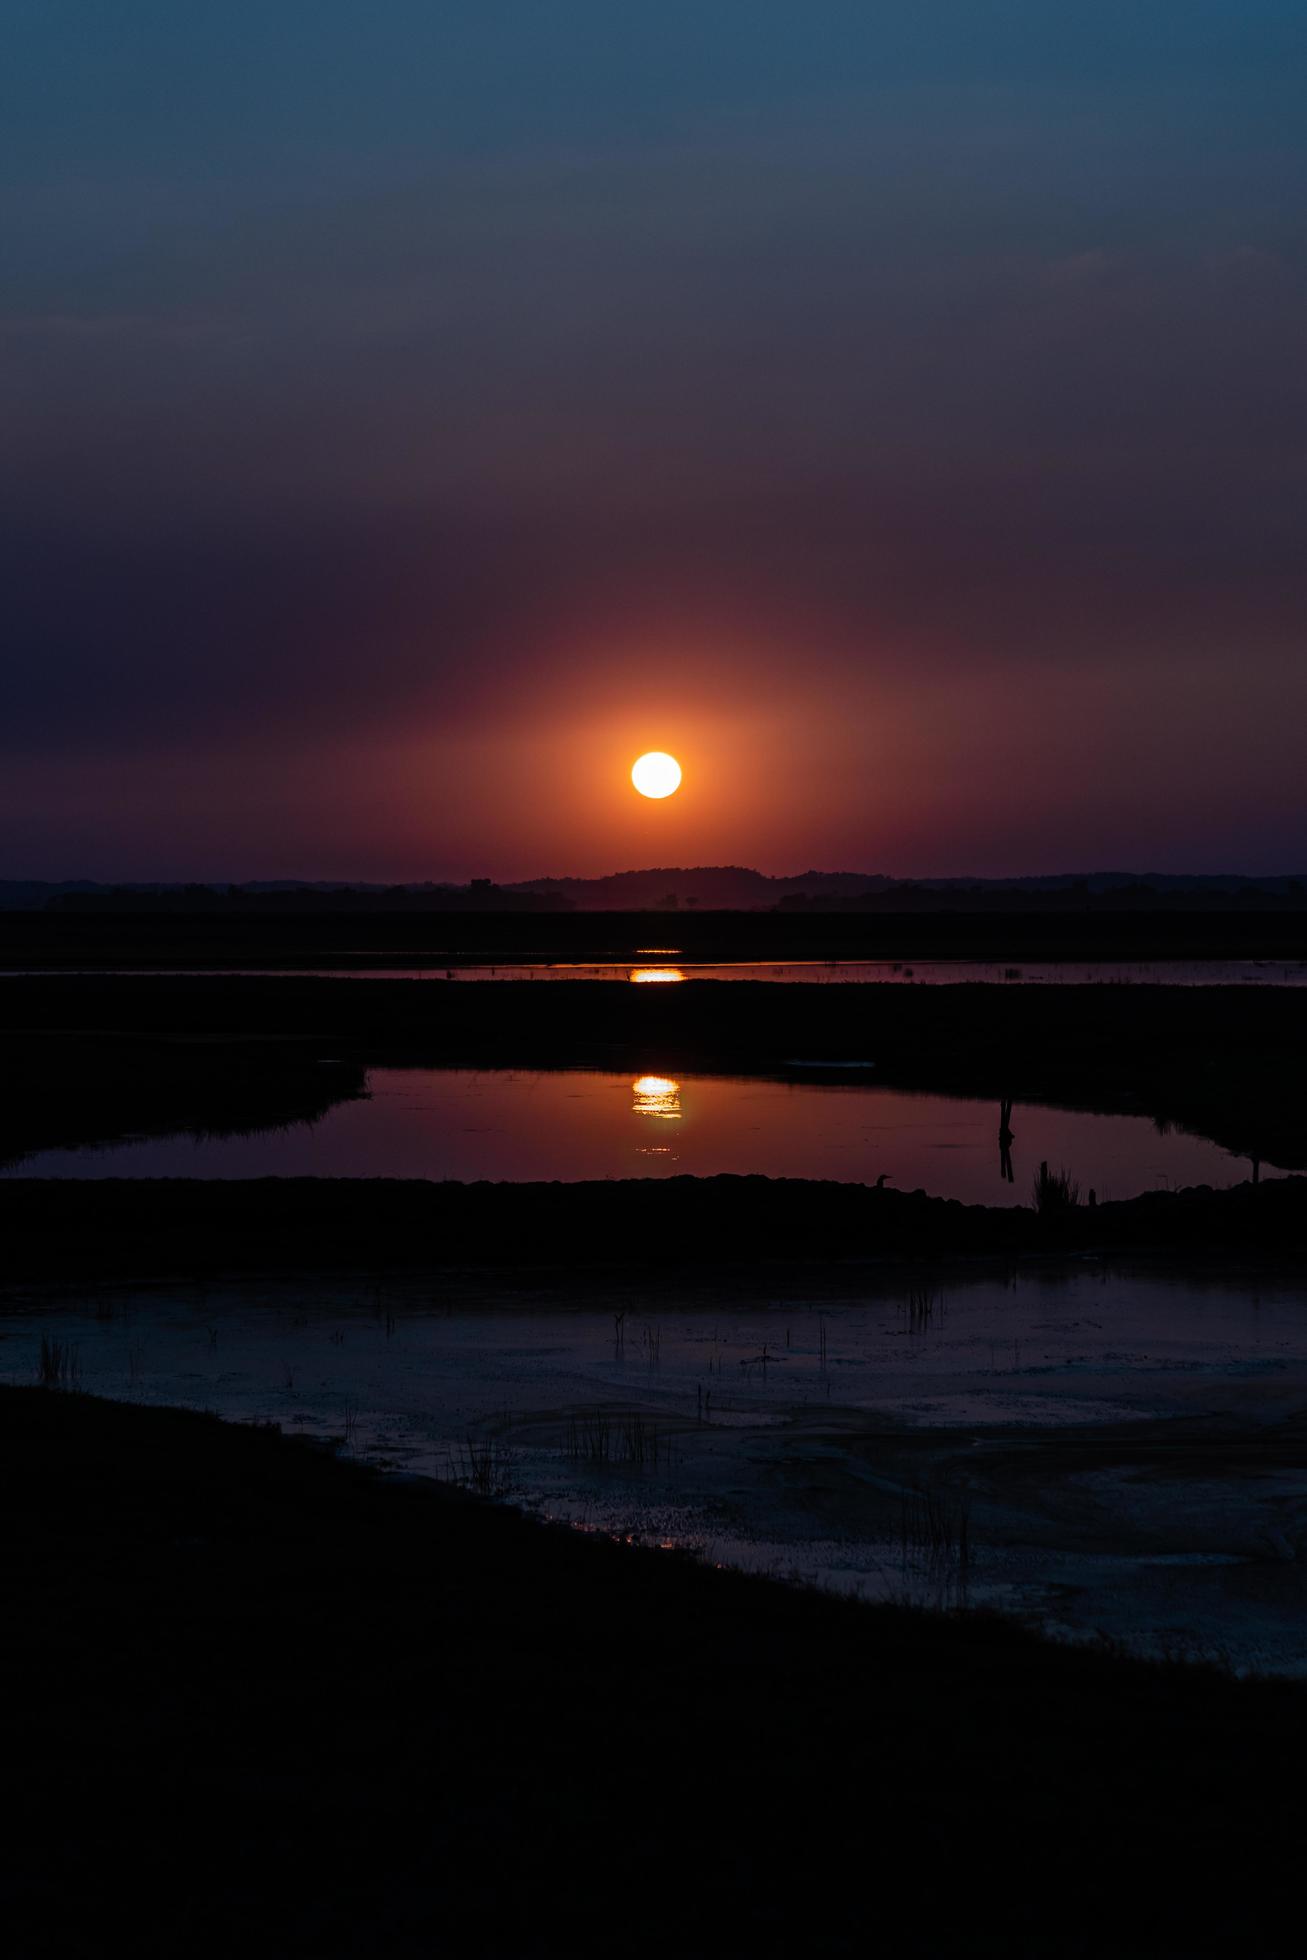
(670, 889)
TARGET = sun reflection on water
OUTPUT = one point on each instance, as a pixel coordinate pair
(642, 975)
(656, 1095)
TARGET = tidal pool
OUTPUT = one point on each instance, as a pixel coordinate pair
(525, 1125)
(1099, 1451)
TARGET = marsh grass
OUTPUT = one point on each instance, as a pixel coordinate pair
(596, 1438)
(59, 1365)
(922, 1307)
(640, 1444)
(589, 1438)
(1054, 1192)
(482, 1465)
(935, 1534)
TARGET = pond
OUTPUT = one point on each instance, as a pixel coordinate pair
(515, 1124)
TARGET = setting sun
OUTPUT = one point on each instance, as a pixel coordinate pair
(656, 774)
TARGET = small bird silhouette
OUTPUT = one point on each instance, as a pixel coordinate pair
(883, 1179)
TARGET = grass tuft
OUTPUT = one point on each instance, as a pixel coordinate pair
(59, 1365)
(1054, 1192)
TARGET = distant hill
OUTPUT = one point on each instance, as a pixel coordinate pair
(669, 888)
(734, 888)
(710, 887)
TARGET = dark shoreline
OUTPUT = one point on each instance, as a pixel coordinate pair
(1067, 927)
(74, 1089)
(265, 1698)
(112, 1228)
(1228, 1063)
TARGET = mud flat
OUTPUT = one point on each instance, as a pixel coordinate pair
(260, 1696)
(1095, 1448)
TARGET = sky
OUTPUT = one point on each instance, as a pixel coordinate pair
(409, 413)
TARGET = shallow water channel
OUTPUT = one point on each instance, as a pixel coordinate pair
(519, 1125)
(1097, 1450)
(666, 964)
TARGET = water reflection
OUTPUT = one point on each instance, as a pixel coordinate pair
(931, 973)
(569, 1124)
(1006, 1139)
(657, 1095)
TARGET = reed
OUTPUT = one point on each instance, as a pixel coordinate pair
(483, 1467)
(593, 1437)
(1054, 1192)
(922, 1306)
(59, 1365)
(589, 1438)
(935, 1533)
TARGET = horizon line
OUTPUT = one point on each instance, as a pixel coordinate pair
(640, 871)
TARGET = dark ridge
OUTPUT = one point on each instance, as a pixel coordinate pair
(111, 1227)
(261, 1701)
(657, 888)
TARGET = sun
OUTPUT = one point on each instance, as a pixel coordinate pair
(656, 774)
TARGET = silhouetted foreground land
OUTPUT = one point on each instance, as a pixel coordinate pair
(181, 1227)
(1227, 1062)
(76, 1088)
(1057, 926)
(260, 1699)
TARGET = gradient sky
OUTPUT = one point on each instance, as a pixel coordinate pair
(409, 412)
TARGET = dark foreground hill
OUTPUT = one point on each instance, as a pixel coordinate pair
(109, 1229)
(259, 1700)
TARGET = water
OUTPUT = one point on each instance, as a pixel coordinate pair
(524, 1125)
(665, 967)
(1093, 1449)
